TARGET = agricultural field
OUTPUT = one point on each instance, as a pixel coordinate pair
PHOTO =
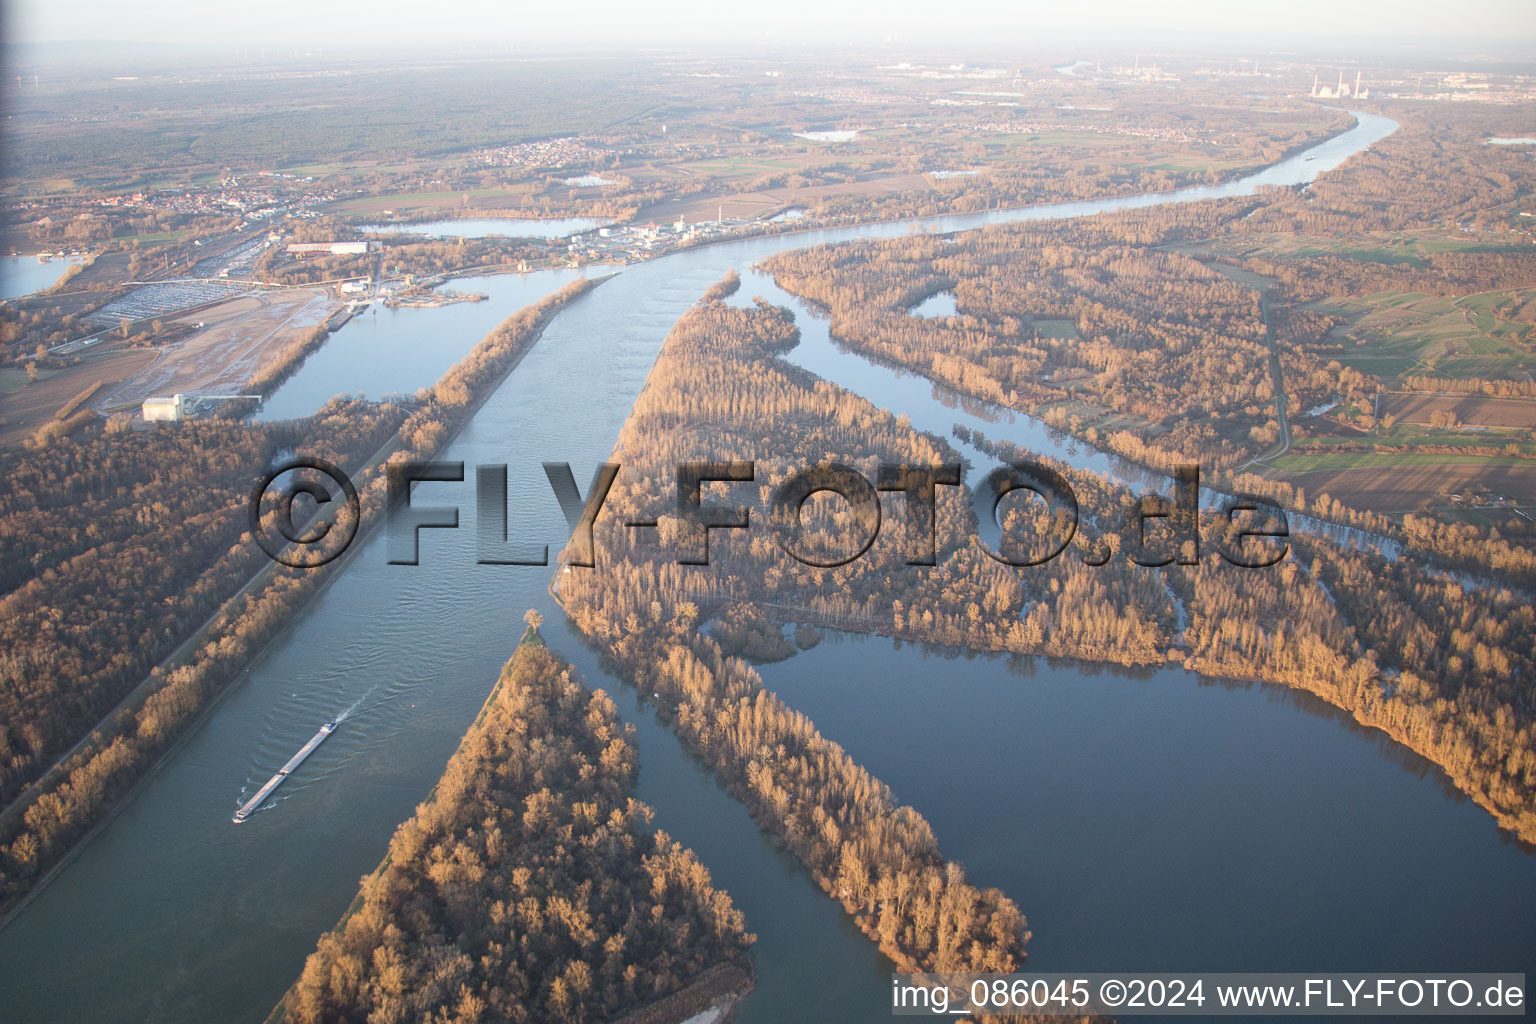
(1444, 449)
(154, 237)
(1395, 334)
(1402, 247)
(25, 405)
(1395, 483)
(1470, 410)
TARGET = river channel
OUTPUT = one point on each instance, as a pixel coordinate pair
(173, 913)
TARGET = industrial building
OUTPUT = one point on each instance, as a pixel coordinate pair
(1339, 92)
(302, 250)
(167, 410)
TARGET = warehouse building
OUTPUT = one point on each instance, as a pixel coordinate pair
(304, 250)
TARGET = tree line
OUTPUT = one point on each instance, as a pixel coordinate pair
(530, 885)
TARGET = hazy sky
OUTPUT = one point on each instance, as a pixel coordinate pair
(310, 23)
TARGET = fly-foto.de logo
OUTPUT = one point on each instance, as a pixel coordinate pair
(1251, 531)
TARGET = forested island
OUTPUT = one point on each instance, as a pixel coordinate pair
(530, 886)
(1436, 666)
(877, 857)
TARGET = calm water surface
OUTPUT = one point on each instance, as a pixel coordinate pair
(384, 351)
(1087, 793)
(935, 305)
(23, 275)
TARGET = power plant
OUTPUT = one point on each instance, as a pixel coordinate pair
(1340, 91)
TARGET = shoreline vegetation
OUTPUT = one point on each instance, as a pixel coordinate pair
(1461, 547)
(251, 600)
(530, 886)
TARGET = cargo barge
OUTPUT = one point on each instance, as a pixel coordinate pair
(249, 807)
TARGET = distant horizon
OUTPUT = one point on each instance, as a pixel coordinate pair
(1512, 56)
(1500, 26)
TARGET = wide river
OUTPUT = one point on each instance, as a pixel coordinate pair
(1088, 794)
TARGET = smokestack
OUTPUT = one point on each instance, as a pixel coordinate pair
(1314, 85)
(1357, 84)
(1341, 85)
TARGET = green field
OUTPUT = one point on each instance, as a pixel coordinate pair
(1410, 247)
(155, 238)
(13, 379)
(736, 166)
(1392, 334)
(1296, 462)
(1415, 435)
(1055, 328)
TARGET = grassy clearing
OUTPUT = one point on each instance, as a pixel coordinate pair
(155, 238)
(1055, 329)
(13, 379)
(739, 166)
(1096, 417)
(1484, 517)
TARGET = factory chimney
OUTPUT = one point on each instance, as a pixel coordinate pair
(1357, 85)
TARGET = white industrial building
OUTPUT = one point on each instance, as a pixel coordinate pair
(303, 249)
(164, 409)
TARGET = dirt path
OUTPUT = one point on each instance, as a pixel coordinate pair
(1277, 377)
